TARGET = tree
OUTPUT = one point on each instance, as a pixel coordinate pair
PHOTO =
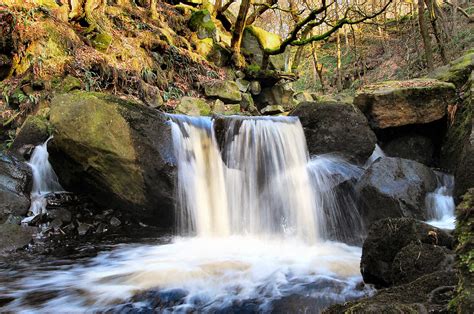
(424, 35)
(238, 33)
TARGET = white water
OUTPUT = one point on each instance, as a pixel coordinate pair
(440, 203)
(376, 154)
(45, 180)
(257, 213)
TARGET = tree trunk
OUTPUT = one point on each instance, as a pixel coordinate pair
(434, 24)
(238, 32)
(424, 35)
(153, 11)
(338, 53)
(318, 67)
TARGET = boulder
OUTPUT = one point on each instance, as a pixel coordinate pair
(418, 259)
(255, 88)
(15, 187)
(398, 103)
(394, 187)
(227, 91)
(201, 22)
(247, 104)
(254, 42)
(118, 152)
(336, 128)
(272, 110)
(303, 96)
(457, 71)
(387, 238)
(280, 94)
(193, 106)
(14, 237)
(412, 146)
(34, 131)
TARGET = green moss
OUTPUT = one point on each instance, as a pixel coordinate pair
(202, 23)
(101, 41)
(193, 106)
(458, 71)
(266, 39)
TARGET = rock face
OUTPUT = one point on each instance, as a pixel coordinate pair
(398, 103)
(15, 187)
(118, 152)
(414, 147)
(332, 127)
(394, 187)
(391, 243)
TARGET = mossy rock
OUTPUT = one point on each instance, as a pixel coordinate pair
(119, 152)
(34, 131)
(458, 71)
(266, 39)
(67, 84)
(398, 103)
(101, 41)
(193, 106)
(255, 41)
(227, 91)
(202, 23)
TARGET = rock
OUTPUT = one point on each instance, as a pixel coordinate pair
(118, 152)
(458, 71)
(227, 91)
(394, 187)
(201, 22)
(387, 237)
(193, 106)
(242, 84)
(233, 109)
(115, 222)
(428, 294)
(272, 110)
(255, 88)
(414, 147)
(247, 104)
(101, 41)
(62, 214)
(34, 131)
(463, 301)
(68, 84)
(303, 96)
(240, 74)
(13, 219)
(13, 237)
(335, 98)
(277, 95)
(418, 259)
(336, 128)
(218, 107)
(255, 40)
(150, 95)
(457, 151)
(83, 229)
(15, 187)
(398, 103)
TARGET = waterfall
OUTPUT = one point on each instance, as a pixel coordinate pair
(45, 180)
(376, 154)
(254, 176)
(440, 203)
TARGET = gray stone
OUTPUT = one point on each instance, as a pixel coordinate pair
(277, 95)
(243, 85)
(255, 88)
(227, 91)
(13, 237)
(272, 110)
(115, 222)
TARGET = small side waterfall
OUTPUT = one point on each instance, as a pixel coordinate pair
(376, 154)
(45, 180)
(440, 203)
(255, 178)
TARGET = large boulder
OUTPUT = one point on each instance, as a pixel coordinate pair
(280, 94)
(254, 42)
(394, 187)
(387, 246)
(398, 103)
(332, 127)
(15, 187)
(193, 106)
(13, 237)
(117, 151)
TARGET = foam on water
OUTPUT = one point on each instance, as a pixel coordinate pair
(440, 203)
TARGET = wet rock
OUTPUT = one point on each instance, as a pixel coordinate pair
(394, 187)
(336, 128)
(130, 168)
(387, 238)
(418, 259)
(15, 187)
(83, 229)
(193, 106)
(33, 132)
(227, 91)
(272, 110)
(13, 237)
(61, 214)
(14, 219)
(115, 222)
(161, 298)
(398, 103)
(428, 294)
(414, 147)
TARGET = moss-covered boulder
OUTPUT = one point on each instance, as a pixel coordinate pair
(227, 91)
(254, 42)
(101, 41)
(34, 131)
(117, 151)
(398, 103)
(193, 106)
(201, 22)
(463, 301)
(457, 71)
(277, 95)
(336, 128)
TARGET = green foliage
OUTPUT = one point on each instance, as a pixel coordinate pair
(173, 92)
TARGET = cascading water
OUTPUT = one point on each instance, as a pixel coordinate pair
(45, 180)
(440, 203)
(376, 154)
(259, 212)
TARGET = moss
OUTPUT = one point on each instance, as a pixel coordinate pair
(458, 71)
(193, 106)
(68, 84)
(101, 41)
(402, 86)
(202, 23)
(266, 39)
